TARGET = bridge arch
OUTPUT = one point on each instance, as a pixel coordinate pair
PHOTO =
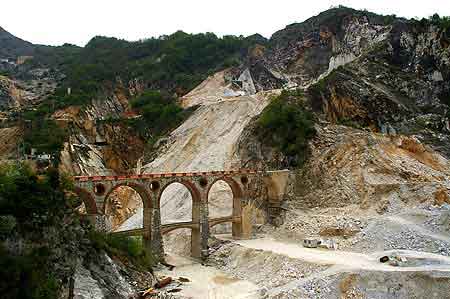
(117, 212)
(236, 214)
(193, 190)
(236, 191)
(88, 200)
(189, 227)
(139, 188)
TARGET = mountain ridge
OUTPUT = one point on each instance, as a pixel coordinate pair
(12, 46)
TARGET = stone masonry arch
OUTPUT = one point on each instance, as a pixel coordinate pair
(139, 188)
(193, 225)
(145, 197)
(193, 189)
(236, 217)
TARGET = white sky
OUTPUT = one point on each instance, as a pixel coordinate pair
(55, 22)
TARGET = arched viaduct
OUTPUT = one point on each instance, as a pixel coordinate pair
(95, 190)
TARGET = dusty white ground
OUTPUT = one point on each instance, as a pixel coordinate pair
(208, 282)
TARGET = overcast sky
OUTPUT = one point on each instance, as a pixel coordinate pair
(55, 22)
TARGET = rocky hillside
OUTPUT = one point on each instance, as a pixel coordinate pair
(362, 70)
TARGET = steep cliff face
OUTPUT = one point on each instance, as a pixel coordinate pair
(300, 53)
(255, 154)
(95, 147)
(10, 137)
(101, 141)
(400, 86)
(362, 70)
(10, 95)
(350, 166)
(25, 88)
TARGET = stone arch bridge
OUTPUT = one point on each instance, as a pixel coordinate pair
(245, 185)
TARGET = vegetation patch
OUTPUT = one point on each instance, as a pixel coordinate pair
(29, 206)
(124, 248)
(159, 111)
(41, 237)
(45, 136)
(160, 114)
(288, 125)
(441, 22)
(174, 63)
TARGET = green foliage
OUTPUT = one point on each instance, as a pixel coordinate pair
(4, 73)
(444, 96)
(159, 111)
(27, 276)
(287, 125)
(174, 63)
(29, 204)
(126, 247)
(34, 201)
(442, 22)
(160, 114)
(7, 225)
(45, 136)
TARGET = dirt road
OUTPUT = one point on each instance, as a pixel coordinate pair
(350, 260)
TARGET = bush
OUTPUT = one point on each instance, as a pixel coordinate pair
(287, 125)
(45, 136)
(7, 225)
(174, 63)
(160, 112)
(29, 206)
(34, 201)
(27, 276)
(131, 248)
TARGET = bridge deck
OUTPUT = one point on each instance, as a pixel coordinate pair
(164, 175)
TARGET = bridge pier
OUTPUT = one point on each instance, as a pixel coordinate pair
(204, 229)
(196, 250)
(156, 240)
(147, 225)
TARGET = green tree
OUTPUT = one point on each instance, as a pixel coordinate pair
(45, 136)
(160, 111)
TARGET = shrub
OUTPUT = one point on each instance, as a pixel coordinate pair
(45, 136)
(7, 225)
(442, 22)
(286, 124)
(160, 112)
(27, 276)
(131, 248)
(29, 205)
(174, 63)
(34, 201)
